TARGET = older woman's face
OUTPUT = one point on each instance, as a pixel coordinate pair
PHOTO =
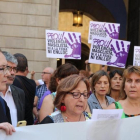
(76, 106)
(132, 86)
(102, 86)
(116, 82)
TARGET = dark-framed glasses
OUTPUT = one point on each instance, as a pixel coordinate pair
(12, 68)
(46, 73)
(77, 95)
(4, 69)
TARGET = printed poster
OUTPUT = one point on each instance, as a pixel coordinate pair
(136, 57)
(111, 52)
(61, 44)
(104, 30)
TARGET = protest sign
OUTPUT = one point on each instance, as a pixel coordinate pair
(122, 129)
(60, 44)
(136, 56)
(101, 114)
(103, 29)
(111, 52)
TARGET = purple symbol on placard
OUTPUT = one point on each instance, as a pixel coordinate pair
(75, 46)
(121, 55)
(113, 33)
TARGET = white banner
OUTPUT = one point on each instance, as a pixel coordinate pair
(123, 129)
(136, 56)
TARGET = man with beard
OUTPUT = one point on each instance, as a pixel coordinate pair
(14, 96)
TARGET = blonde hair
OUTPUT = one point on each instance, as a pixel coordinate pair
(126, 74)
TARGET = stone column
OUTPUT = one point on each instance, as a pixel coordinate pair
(22, 29)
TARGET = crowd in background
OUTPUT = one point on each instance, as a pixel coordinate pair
(65, 94)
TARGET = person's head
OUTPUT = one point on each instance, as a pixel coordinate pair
(84, 73)
(4, 72)
(73, 92)
(100, 82)
(116, 79)
(46, 74)
(131, 82)
(12, 63)
(22, 63)
(60, 73)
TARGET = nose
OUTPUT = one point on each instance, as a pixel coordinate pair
(82, 98)
(133, 84)
(102, 84)
(7, 73)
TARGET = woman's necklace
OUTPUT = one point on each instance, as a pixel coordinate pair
(102, 103)
(66, 118)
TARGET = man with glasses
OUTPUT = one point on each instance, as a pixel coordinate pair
(14, 96)
(46, 76)
(5, 118)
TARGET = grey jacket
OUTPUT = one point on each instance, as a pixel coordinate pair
(94, 104)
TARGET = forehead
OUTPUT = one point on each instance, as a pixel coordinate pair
(11, 64)
(103, 78)
(2, 60)
(133, 76)
(117, 75)
(46, 70)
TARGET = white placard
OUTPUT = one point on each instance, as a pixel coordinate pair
(61, 44)
(111, 52)
(136, 56)
(107, 114)
(103, 29)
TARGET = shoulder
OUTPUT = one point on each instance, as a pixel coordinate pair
(16, 88)
(57, 117)
(48, 99)
(111, 106)
(110, 100)
(91, 97)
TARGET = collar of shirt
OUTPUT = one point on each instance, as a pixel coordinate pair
(7, 92)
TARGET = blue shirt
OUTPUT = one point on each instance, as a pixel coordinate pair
(40, 91)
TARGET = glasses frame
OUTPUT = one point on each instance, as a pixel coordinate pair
(45, 73)
(79, 94)
(12, 68)
(5, 69)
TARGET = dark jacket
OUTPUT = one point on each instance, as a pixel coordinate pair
(19, 100)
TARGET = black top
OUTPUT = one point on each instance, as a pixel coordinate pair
(4, 115)
(29, 88)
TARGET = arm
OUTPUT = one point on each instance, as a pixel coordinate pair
(7, 127)
(35, 112)
(46, 108)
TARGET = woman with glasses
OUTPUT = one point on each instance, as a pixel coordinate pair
(100, 85)
(71, 100)
(46, 105)
(130, 91)
(116, 81)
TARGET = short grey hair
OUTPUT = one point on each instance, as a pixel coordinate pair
(9, 57)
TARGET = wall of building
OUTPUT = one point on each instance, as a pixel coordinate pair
(22, 29)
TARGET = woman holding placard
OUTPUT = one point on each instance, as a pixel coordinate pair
(71, 100)
(130, 92)
(100, 86)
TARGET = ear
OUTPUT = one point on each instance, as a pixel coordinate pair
(58, 81)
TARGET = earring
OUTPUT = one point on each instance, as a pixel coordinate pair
(63, 108)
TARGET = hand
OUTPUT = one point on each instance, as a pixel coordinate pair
(113, 33)
(32, 73)
(74, 45)
(86, 62)
(7, 127)
(121, 54)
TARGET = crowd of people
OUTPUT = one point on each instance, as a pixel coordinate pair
(65, 94)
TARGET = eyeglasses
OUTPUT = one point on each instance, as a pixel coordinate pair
(77, 95)
(46, 73)
(4, 70)
(12, 68)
